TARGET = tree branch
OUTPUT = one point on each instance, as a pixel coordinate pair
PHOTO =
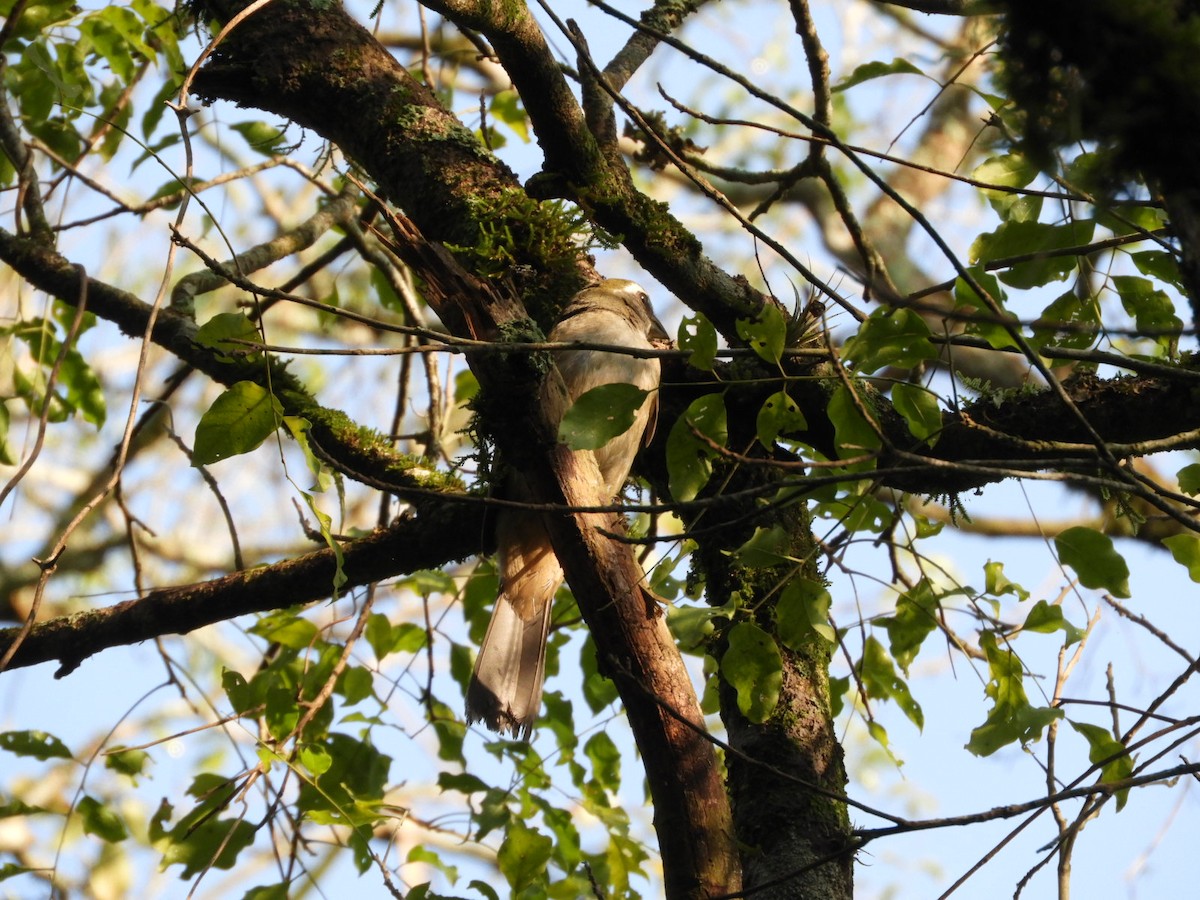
(416, 542)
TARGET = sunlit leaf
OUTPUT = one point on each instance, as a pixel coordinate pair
(698, 337)
(1047, 617)
(523, 855)
(1094, 559)
(239, 421)
(881, 682)
(767, 334)
(1185, 548)
(1110, 754)
(802, 612)
(752, 665)
(1012, 719)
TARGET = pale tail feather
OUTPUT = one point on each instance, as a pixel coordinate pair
(505, 692)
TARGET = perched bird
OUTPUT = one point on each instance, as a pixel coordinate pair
(505, 692)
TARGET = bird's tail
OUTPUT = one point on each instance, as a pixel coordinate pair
(505, 692)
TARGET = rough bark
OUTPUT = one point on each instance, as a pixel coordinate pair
(336, 81)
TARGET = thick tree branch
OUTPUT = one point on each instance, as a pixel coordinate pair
(412, 543)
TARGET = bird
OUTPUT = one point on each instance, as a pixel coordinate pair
(505, 690)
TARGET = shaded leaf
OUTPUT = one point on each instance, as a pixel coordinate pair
(779, 415)
(37, 744)
(689, 460)
(599, 415)
(872, 70)
(101, 820)
(920, 410)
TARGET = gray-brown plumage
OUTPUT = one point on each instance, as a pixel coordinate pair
(505, 692)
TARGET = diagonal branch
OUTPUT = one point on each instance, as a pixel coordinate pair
(417, 542)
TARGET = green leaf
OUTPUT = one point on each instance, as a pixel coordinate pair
(599, 415)
(222, 333)
(83, 388)
(779, 415)
(920, 409)
(1036, 239)
(268, 892)
(287, 628)
(523, 855)
(871, 70)
(243, 695)
(128, 762)
(1152, 310)
(1161, 265)
(1094, 559)
(691, 626)
(1048, 617)
(6, 455)
(1110, 754)
(689, 460)
(298, 427)
(997, 332)
(605, 759)
(698, 337)
(853, 435)
(237, 422)
(766, 547)
(1011, 171)
(315, 759)
(1081, 314)
(38, 744)
(101, 820)
(766, 334)
(200, 841)
(754, 668)
(506, 108)
(879, 679)
(916, 617)
(1186, 550)
(997, 584)
(355, 684)
(1189, 479)
(890, 337)
(1012, 718)
(802, 612)
(262, 138)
